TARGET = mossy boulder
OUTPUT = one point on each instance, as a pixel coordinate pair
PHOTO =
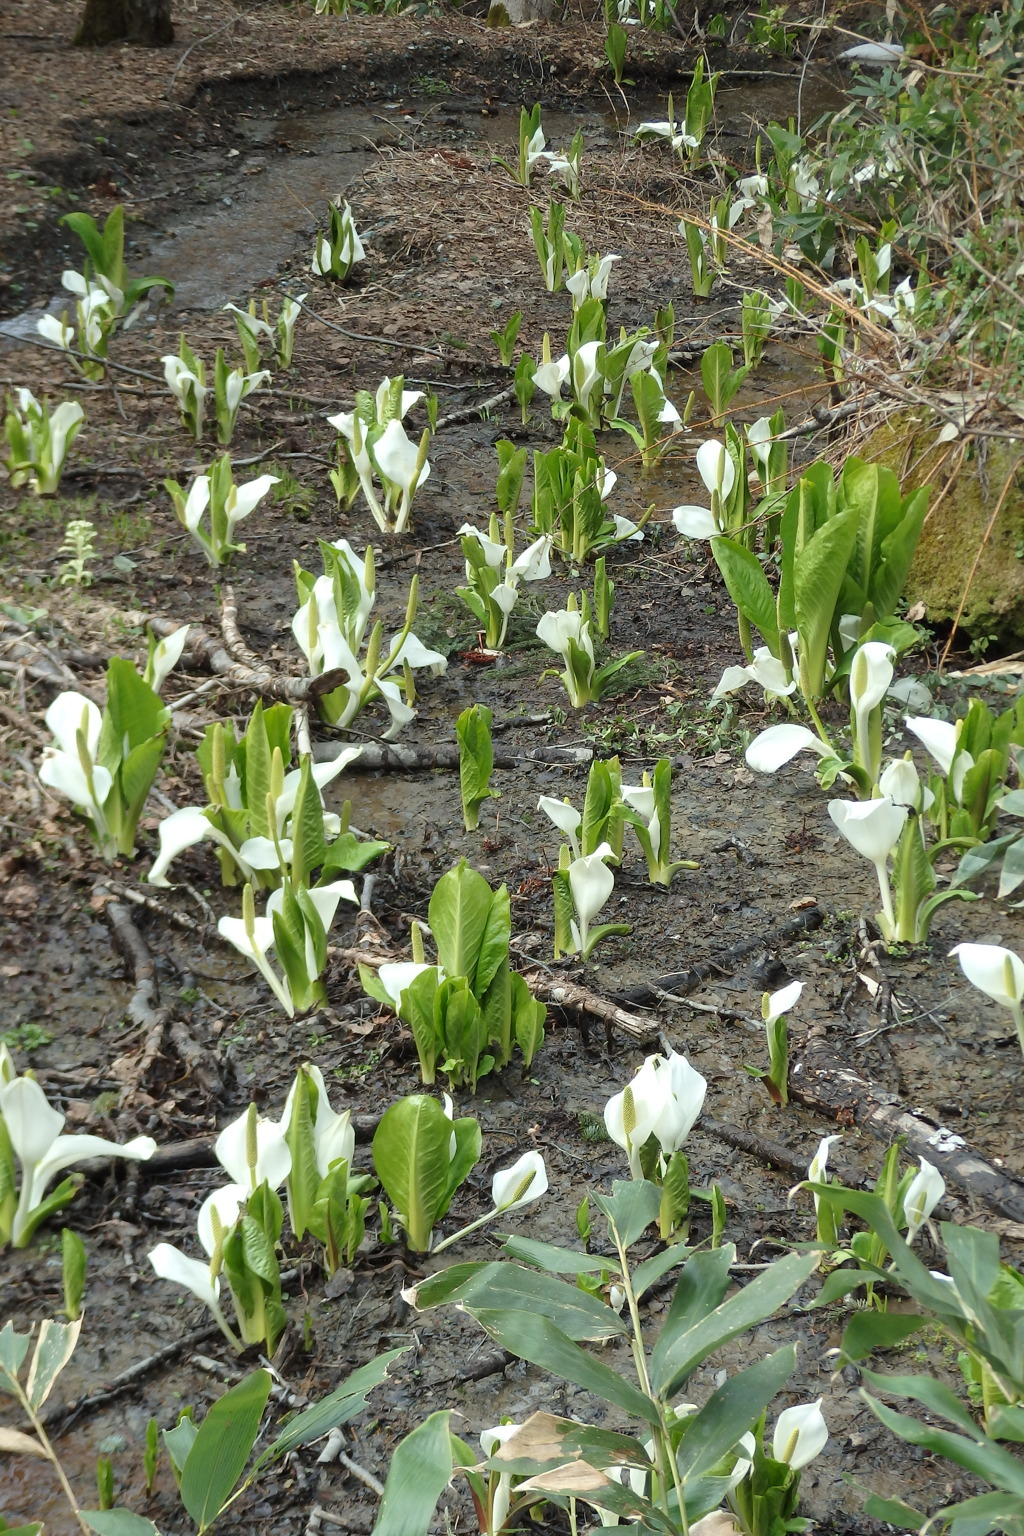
(966, 487)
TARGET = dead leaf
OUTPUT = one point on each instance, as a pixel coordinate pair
(575, 1478)
(802, 903)
(16, 1444)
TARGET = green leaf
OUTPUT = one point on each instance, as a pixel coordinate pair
(983, 1457)
(630, 1208)
(818, 573)
(256, 786)
(420, 1471)
(466, 1156)
(135, 711)
(179, 1441)
(118, 1522)
(476, 758)
(533, 1337)
(868, 1331)
(307, 827)
(13, 1349)
(304, 1176)
(74, 1263)
(748, 587)
(651, 1270)
(337, 1408)
(897, 552)
(503, 1286)
(410, 1155)
(458, 915)
(702, 1287)
(930, 1393)
(494, 941)
(893, 1512)
(351, 854)
(764, 1295)
(730, 1411)
(222, 1447)
(557, 1261)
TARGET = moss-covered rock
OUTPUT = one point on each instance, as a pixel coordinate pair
(966, 487)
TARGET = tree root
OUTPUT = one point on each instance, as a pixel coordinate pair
(569, 994)
(211, 654)
(821, 1082)
(376, 757)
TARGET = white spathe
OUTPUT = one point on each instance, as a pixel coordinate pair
(994, 970)
(524, 1182)
(781, 1002)
(800, 1435)
(778, 744)
(872, 827)
(924, 1193)
(565, 817)
(34, 1128)
(273, 1159)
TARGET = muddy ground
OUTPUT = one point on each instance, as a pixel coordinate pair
(236, 145)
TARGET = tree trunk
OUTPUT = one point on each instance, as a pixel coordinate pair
(134, 21)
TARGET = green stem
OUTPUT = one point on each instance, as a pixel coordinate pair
(51, 1456)
(818, 726)
(1018, 1019)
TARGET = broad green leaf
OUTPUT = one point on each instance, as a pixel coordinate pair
(256, 787)
(760, 1299)
(989, 1511)
(897, 553)
(54, 1347)
(304, 1176)
(630, 1208)
(534, 1337)
(351, 854)
(179, 1441)
(817, 579)
(893, 1512)
(337, 1408)
(420, 1471)
(458, 914)
(557, 1261)
(930, 1393)
(307, 826)
(730, 1411)
(118, 1522)
(222, 1447)
(748, 587)
(135, 711)
(410, 1155)
(476, 757)
(467, 1154)
(502, 1285)
(417, 1010)
(494, 941)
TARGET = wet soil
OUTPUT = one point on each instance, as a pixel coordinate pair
(231, 183)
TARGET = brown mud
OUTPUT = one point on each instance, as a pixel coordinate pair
(307, 103)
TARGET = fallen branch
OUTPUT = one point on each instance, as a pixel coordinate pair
(569, 994)
(204, 651)
(376, 757)
(821, 1082)
(725, 963)
(236, 646)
